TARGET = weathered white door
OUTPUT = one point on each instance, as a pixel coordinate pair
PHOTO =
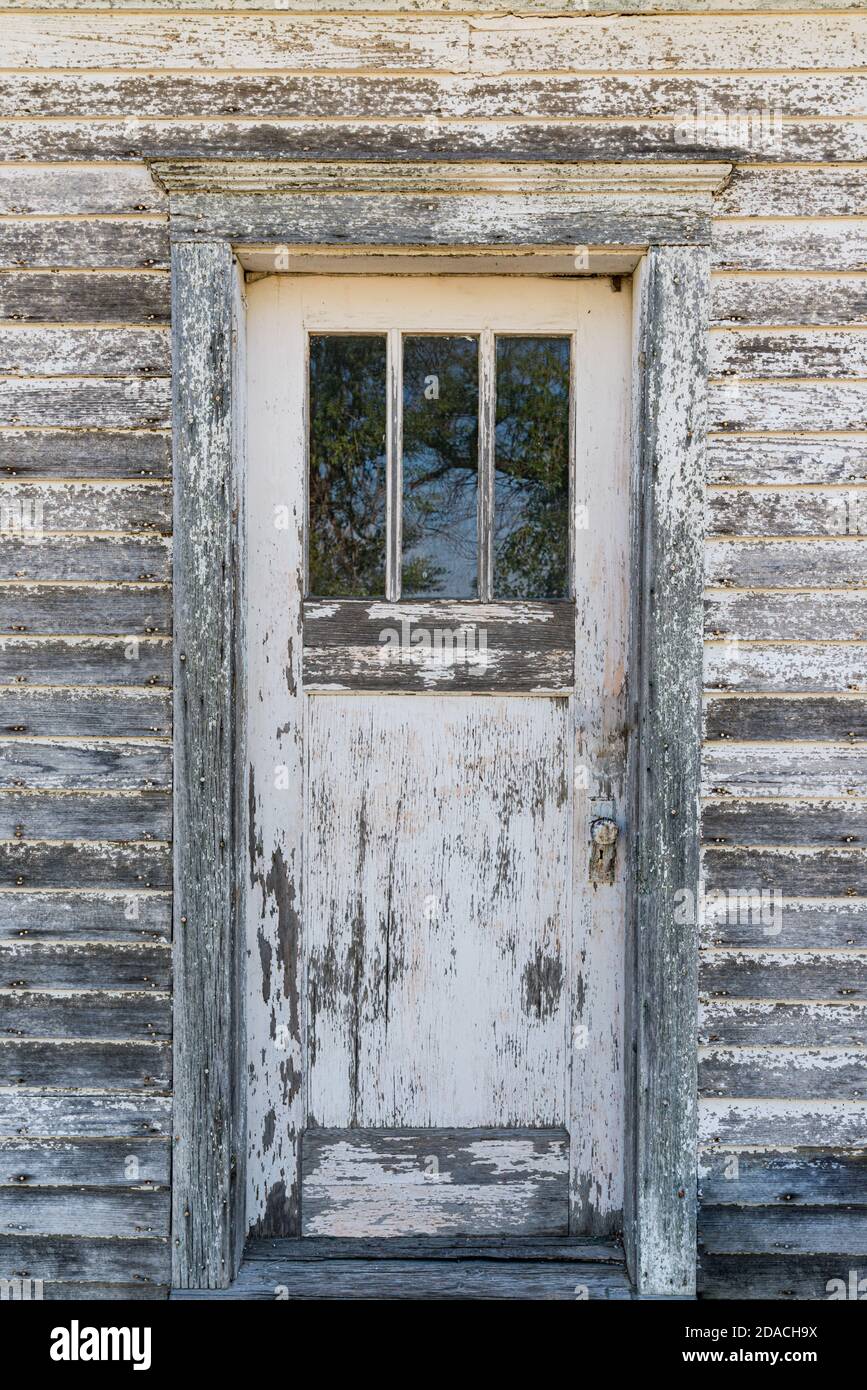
(438, 523)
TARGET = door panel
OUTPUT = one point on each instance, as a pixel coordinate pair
(437, 899)
(474, 1182)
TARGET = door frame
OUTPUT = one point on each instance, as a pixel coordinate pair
(652, 220)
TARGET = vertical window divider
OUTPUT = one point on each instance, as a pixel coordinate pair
(487, 444)
(394, 465)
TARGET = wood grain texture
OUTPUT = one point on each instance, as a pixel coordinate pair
(804, 924)
(103, 1163)
(761, 1022)
(142, 1260)
(84, 352)
(85, 453)
(389, 1183)
(784, 974)
(399, 1032)
(773, 1276)
(666, 714)
(124, 965)
(84, 710)
(351, 644)
(93, 1013)
(399, 95)
(820, 1073)
(126, 609)
(125, 243)
(208, 1182)
(44, 296)
(832, 1124)
(67, 1211)
(792, 459)
(828, 718)
(94, 916)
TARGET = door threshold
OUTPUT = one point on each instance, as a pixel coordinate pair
(427, 1267)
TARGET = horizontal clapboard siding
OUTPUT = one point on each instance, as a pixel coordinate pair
(85, 717)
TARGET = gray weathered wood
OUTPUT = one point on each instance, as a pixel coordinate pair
(83, 711)
(805, 717)
(354, 96)
(93, 916)
(135, 297)
(112, 403)
(113, 1066)
(123, 244)
(784, 974)
(34, 864)
(666, 766)
(146, 558)
(77, 661)
(87, 453)
(777, 405)
(798, 823)
(102, 764)
(836, 1124)
(85, 351)
(96, 1013)
(790, 459)
(827, 1073)
(677, 137)
(125, 965)
(112, 1163)
(773, 1276)
(67, 1211)
(85, 816)
(840, 1231)
(799, 873)
(208, 1183)
(352, 644)
(820, 353)
(823, 769)
(365, 1182)
(787, 617)
(758, 1021)
(98, 1114)
(779, 300)
(805, 924)
(787, 512)
(786, 564)
(435, 1279)
(792, 668)
(90, 506)
(805, 1177)
(143, 1259)
(133, 609)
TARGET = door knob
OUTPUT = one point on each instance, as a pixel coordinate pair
(603, 849)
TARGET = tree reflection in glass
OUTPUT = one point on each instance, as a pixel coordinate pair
(440, 466)
(347, 466)
(531, 488)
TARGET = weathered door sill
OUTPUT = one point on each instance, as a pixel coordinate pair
(487, 1268)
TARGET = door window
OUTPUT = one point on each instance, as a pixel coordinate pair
(438, 465)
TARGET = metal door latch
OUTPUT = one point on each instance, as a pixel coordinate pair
(603, 849)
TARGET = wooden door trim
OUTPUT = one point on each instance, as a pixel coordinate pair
(664, 209)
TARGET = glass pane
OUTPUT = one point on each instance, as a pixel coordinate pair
(440, 466)
(346, 535)
(531, 481)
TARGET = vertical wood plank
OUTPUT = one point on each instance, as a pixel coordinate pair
(275, 498)
(665, 710)
(487, 461)
(207, 1189)
(600, 504)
